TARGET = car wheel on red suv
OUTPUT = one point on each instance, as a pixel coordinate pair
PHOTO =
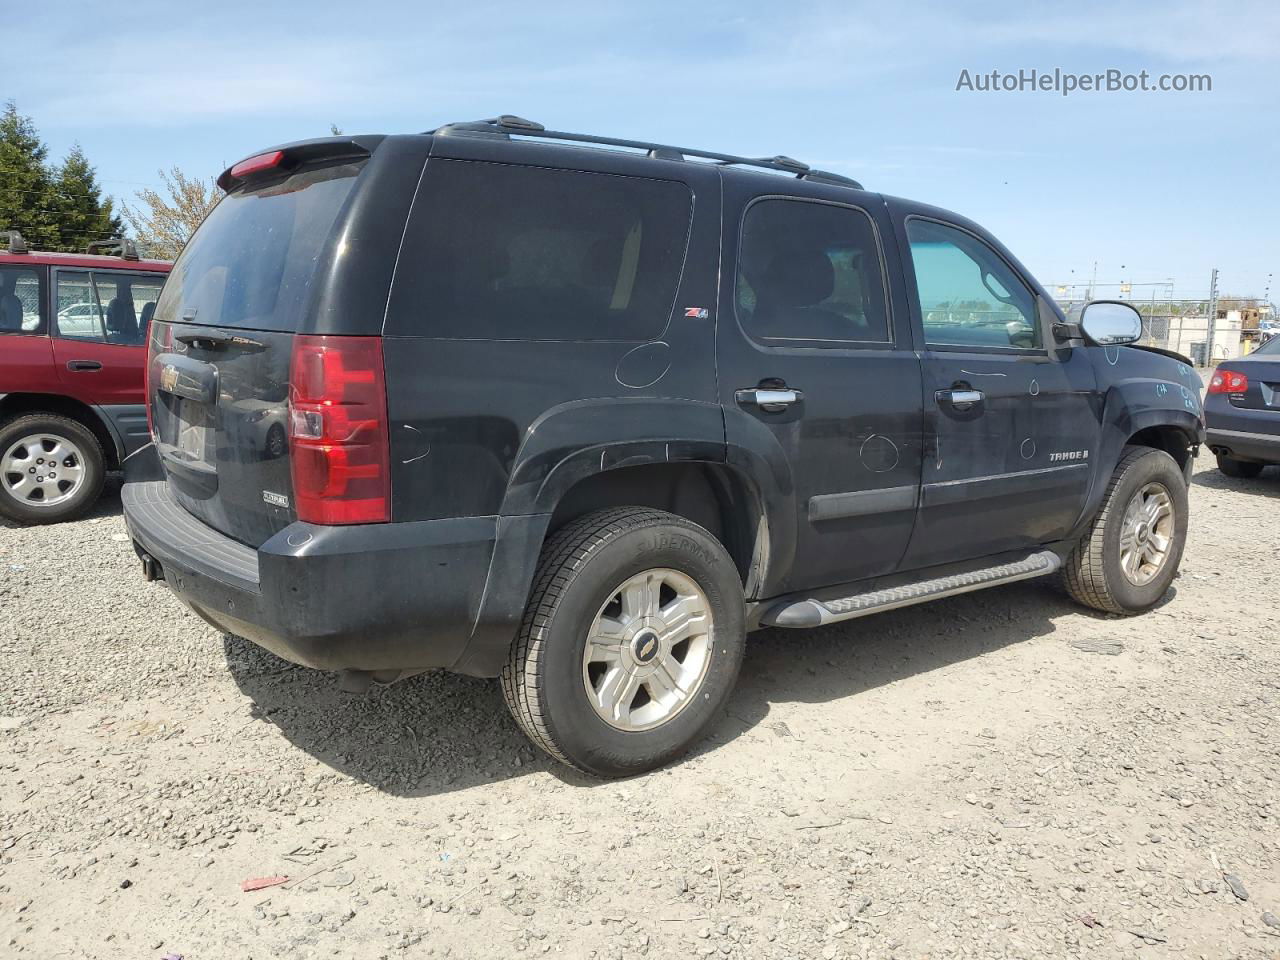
(51, 468)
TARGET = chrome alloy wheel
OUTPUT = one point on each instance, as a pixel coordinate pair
(1146, 534)
(648, 650)
(42, 470)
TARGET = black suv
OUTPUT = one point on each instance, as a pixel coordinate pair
(582, 412)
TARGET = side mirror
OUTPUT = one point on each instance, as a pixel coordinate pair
(1108, 323)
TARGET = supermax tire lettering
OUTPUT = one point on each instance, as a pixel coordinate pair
(668, 542)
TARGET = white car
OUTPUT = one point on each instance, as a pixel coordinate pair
(79, 319)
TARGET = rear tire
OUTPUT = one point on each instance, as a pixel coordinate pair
(662, 602)
(1114, 566)
(1242, 469)
(51, 468)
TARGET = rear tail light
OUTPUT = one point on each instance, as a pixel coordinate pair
(339, 441)
(1228, 381)
(159, 340)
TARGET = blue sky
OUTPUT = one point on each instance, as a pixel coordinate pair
(1150, 185)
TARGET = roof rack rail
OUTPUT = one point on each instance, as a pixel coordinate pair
(15, 241)
(128, 249)
(508, 125)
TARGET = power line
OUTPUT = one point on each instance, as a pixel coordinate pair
(40, 193)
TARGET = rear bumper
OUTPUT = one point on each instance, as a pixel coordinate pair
(381, 597)
(1245, 444)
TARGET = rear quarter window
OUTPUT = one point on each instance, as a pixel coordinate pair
(505, 252)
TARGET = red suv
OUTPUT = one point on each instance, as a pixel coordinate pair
(73, 334)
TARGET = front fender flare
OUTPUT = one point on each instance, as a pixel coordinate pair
(1130, 408)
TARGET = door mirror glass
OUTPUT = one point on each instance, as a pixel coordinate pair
(1108, 323)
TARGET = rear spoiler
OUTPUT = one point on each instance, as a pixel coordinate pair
(290, 156)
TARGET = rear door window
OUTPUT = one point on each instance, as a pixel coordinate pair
(106, 306)
(251, 262)
(21, 300)
(506, 252)
(79, 314)
(127, 303)
(810, 274)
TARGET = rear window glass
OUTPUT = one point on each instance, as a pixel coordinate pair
(1270, 346)
(251, 262)
(528, 253)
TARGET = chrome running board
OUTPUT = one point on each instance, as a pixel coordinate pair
(816, 613)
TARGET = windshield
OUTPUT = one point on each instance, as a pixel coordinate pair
(251, 262)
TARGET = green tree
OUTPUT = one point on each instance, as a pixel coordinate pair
(54, 207)
(83, 214)
(27, 201)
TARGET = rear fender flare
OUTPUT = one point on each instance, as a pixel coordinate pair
(581, 439)
(585, 438)
(753, 451)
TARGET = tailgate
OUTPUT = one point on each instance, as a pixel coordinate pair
(221, 344)
(219, 409)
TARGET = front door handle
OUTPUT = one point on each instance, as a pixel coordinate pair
(960, 399)
(768, 399)
(80, 366)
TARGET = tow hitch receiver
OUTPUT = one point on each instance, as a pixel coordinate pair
(151, 569)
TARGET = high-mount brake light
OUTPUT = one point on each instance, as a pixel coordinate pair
(263, 161)
(339, 443)
(1228, 381)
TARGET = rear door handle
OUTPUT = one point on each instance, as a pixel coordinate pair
(769, 400)
(80, 366)
(960, 399)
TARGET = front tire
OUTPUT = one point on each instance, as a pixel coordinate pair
(1241, 469)
(631, 641)
(51, 468)
(1130, 554)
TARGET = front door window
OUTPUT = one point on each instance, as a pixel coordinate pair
(969, 297)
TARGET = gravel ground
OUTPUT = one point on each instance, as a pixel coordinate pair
(997, 775)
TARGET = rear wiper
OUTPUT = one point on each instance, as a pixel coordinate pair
(217, 341)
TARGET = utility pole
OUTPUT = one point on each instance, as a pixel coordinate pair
(1151, 320)
(1213, 318)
